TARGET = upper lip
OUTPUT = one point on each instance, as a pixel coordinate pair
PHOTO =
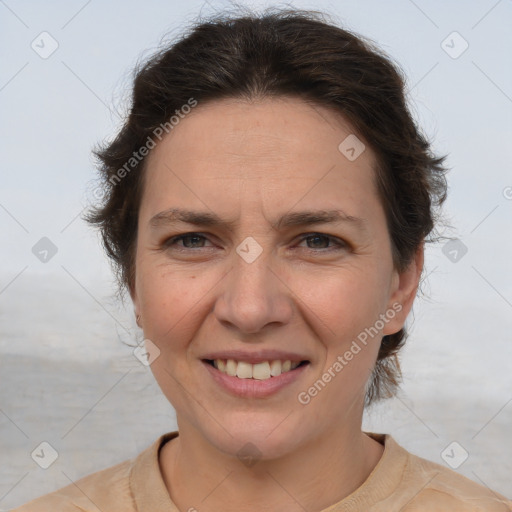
(255, 356)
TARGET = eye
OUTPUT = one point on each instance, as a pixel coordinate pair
(190, 241)
(320, 239)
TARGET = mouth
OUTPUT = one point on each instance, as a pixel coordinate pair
(263, 370)
(257, 379)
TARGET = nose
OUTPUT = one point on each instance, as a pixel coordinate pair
(253, 296)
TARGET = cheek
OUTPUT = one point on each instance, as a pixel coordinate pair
(344, 302)
(170, 305)
(346, 308)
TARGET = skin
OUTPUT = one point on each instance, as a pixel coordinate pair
(251, 162)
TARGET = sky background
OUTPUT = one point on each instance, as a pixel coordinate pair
(55, 109)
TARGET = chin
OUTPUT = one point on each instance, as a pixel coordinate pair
(253, 436)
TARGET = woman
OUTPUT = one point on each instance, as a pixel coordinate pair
(266, 206)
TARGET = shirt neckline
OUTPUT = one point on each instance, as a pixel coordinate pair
(146, 480)
(150, 492)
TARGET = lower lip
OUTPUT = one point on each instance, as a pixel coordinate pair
(253, 388)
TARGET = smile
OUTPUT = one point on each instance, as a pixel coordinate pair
(259, 371)
(255, 379)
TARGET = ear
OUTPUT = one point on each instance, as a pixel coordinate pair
(403, 292)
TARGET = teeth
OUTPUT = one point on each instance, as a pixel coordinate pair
(275, 368)
(230, 367)
(244, 370)
(260, 371)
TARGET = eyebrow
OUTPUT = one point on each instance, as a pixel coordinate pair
(207, 219)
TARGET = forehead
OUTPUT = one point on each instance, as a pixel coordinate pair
(259, 149)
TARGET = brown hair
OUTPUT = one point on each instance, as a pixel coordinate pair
(280, 53)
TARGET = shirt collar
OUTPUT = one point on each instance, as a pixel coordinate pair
(146, 481)
(381, 483)
(150, 492)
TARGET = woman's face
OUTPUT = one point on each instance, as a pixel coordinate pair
(246, 284)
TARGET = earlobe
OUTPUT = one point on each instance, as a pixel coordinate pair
(404, 291)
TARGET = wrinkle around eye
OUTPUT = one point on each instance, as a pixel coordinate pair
(337, 245)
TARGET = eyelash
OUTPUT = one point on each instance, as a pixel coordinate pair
(338, 243)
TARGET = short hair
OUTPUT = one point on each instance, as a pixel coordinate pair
(280, 53)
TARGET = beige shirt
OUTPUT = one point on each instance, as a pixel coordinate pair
(400, 482)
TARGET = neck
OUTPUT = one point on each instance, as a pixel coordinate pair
(323, 472)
